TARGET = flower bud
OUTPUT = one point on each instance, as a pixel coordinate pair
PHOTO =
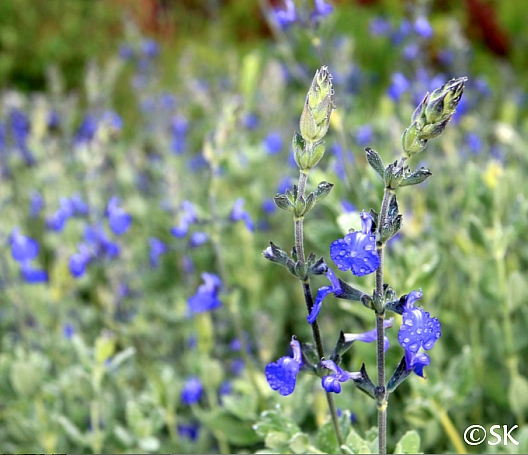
(412, 142)
(315, 117)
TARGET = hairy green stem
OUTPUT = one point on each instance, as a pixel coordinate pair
(382, 397)
(308, 298)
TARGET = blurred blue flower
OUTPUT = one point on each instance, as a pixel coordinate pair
(285, 17)
(411, 51)
(250, 121)
(347, 206)
(357, 251)
(379, 26)
(188, 265)
(417, 362)
(341, 158)
(36, 204)
(332, 382)
(179, 128)
(198, 238)
(126, 52)
(404, 29)
(268, 206)
(423, 28)
(53, 120)
(237, 367)
(87, 129)
(79, 206)
(112, 120)
(23, 248)
(68, 331)
(321, 9)
(188, 217)
(189, 431)
(364, 135)
(225, 388)
(399, 86)
(282, 374)
(206, 297)
(118, 219)
(32, 275)
(418, 329)
(157, 248)
(78, 262)
(322, 293)
(474, 142)
(99, 243)
(150, 48)
(238, 214)
(192, 391)
(20, 128)
(273, 143)
(370, 336)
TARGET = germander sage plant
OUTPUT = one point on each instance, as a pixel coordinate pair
(361, 252)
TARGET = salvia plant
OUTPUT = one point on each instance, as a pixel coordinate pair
(362, 252)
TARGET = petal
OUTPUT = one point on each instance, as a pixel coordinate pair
(412, 297)
(321, 294)
(282, 375)
(412, 329)
(331, 384)
(431, 333)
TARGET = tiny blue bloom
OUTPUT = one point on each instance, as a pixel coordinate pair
(417, 362)
(357, 251)
(188, 217)
(321, 10)
(198, 238)
(273, 143)
(206, 298)
(189, 431)
(331, 382)
(399, 86)
(418, 329)
(282, 374)
(36, 204)
(150, 48)
(285, 18)
(23, 248)
(423, 28)
(370, 336)
(192, 391)
(364, 135)
(379, 26)
(157, 248)
(68, 331)
(322, 293)
(238, 214)
(118, 219)
(32, 275)
(79, 261)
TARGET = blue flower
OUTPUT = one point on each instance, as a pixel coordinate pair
(87, 129)
(157, 248)
(332, 382)
(150, 48)
(80, 207)
(370, 336)
(79, 261)
(192, 391)
(379, 26)
(118, 219)
(364, 135)
(357, 251)
(423, 28)
(179, 127)
(23, 248)
(238, 214)
(198, 238)
(126, 52)
(285, 17)
(322, 293)
(189, 431)
(36, 204)
(250, 121)
(417, 362)
(399, 86)
(321, 10)
(206, 298)
(474, 142)
(273, 143)
(282, 374)
(188, 217)
(68, 331)
(268, 206)
(418, 329)
(32, 275)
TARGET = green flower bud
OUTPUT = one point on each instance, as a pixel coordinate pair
(412, 142)
(315, 117)
(444, 100)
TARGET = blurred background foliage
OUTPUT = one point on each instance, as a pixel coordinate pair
(142, 99)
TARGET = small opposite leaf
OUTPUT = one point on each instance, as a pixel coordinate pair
(409, 443)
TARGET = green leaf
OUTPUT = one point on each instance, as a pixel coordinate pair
(275, 420)
(236, 431)
(326, 439)
(300, 443)
(409, 443)
(356, 443)
(25, 378)
(518, 394)
(72, 431)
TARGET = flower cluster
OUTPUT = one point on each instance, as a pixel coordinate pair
(24, 250)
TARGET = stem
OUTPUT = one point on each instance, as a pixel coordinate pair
(308, 298)
(382, 397)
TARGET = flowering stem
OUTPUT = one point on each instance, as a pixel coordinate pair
(308, 298)
(382, 397)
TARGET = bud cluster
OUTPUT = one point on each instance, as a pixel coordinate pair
(308, 145)
(432, 115)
